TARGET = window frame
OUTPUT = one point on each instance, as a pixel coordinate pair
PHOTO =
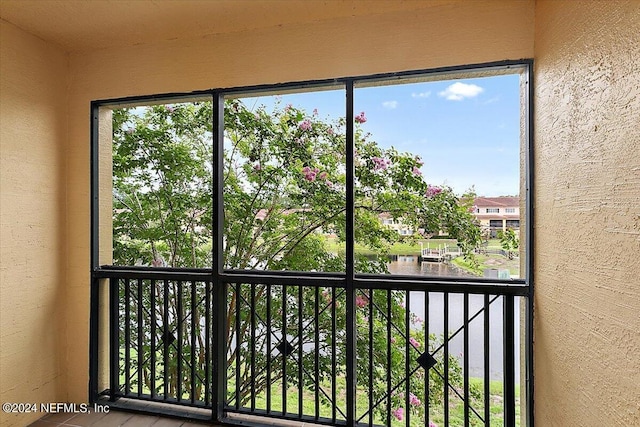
(522, 287)
(523, 67)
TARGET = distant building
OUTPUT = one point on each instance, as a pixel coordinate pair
(395, 224)
(498, 213)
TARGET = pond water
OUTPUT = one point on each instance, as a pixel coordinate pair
(409, 265)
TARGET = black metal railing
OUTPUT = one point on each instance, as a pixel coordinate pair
(442, 351)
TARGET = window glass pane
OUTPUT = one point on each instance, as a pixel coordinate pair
(162, 185)
(284, 182)
(437, 167)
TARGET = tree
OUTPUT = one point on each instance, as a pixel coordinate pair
(284, 192)
(509, 241)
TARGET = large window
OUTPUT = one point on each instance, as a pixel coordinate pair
(427, 150)
(317, 251)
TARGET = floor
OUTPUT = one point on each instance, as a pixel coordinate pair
(112, 419)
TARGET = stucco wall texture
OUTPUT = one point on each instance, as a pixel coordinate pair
(33, 118)
(587, 220)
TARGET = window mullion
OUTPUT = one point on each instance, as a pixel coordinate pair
(350, 262)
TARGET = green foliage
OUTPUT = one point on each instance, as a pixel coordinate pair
(509, 241)
(284, 189)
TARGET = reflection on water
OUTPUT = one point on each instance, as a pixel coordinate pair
(409, 265)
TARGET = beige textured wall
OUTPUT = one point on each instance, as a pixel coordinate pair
(460, 33)
(587, 221)
(33, 119)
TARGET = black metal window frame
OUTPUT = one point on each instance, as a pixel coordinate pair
(348, 280)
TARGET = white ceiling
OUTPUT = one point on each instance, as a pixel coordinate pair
(78, 25)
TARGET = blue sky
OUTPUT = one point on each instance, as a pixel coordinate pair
(466, 131)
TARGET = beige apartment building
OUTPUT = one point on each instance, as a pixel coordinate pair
(498, 213)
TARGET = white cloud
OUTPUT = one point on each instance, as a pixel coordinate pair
(390, 105)
(459, 91)
(421, 94)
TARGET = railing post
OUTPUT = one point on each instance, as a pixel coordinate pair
(93, 339)
(114, 339)
(509, 362)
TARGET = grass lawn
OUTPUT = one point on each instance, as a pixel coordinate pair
(400, 248)
(489, 261)
(456, 406)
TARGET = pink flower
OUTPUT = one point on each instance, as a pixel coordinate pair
(257, 167)
(329, 184)
(432, 191)
(393, 340)
(419, 161)
(170, 109)
(322, 175)
(380, 164)
(416, 171)
(305, 125)
(315, 111)
(413, 400)
(330, 131)
(432, 424)
(360, 118)
(310, 174)
(413, 342)
(361, 301)
(398, 413)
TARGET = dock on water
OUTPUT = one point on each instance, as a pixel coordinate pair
(442, 253)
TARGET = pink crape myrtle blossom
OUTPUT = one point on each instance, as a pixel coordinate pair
(330, 131)
(432, 424)
(416, 171)
(327, 297)
(361, 301)
(170, 109)
(419, 161)
(360, 118)
(413, 400)
(322, 175)
(414, 342)
(257, 167)
(310, 174)
(380, 164)
(432, 191)
(398, 413)
(305, 125)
